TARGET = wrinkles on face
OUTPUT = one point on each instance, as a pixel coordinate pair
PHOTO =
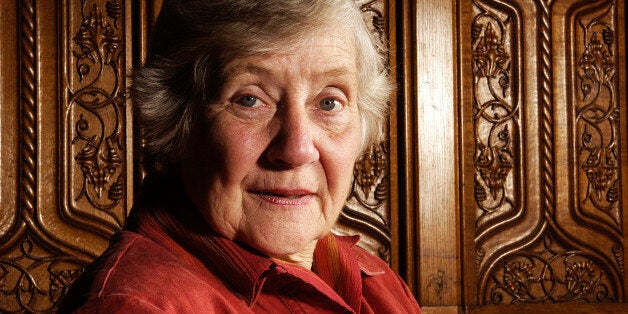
(275, 161)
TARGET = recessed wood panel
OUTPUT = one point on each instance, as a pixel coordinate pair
(64, 188)
(543, 121)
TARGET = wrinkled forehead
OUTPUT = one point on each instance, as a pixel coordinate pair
(320, 49)
(306, 40)
(313, 61)
(318, 61)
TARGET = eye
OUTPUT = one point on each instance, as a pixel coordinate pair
(330, 104)
(248, 101)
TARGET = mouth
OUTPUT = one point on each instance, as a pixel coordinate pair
(285, 197)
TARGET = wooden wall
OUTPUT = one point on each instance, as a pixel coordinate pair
(65, 140)
(502, 187)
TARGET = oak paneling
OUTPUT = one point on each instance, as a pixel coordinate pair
(436, 193)
(502, 186)
(65, 153)
(543, 142)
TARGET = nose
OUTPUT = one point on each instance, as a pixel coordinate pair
(294, 144)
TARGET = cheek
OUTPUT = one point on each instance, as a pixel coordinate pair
(340, 181)
(339, 163)
(234, 148)
(222, 155)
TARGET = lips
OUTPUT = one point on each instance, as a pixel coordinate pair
(285, 197)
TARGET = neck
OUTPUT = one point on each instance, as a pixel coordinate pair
(303, 258)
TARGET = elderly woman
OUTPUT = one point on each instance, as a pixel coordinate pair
(253, 113)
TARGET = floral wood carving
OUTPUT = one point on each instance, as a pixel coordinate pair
(36, 265)
(373, 12)
(597, 119)
(366, 209)
(496, 116)
(96, 120)
(550, 259)
(370, 173)
(22, 285)
(34, 272)
(549, 274)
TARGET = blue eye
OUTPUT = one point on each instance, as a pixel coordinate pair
(329, 104)
(247, 101)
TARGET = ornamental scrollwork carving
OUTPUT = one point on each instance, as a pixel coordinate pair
(550, 274)
(562, 251)
(597, 118)
(370, 187)
(374, 15)
(32, 279)
(367, 209)
(97, 112)
(495, 114)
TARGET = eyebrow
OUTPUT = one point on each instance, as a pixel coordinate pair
(264, 71)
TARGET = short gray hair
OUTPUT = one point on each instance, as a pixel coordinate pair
(194, 39)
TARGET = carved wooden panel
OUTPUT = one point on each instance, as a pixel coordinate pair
(544, 144)
(66, 166)
(67, 163)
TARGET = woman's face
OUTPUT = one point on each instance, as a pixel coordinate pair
(273, 165)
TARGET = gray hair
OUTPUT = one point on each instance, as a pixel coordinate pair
(194, 39)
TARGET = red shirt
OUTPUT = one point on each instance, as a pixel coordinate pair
(168, 261)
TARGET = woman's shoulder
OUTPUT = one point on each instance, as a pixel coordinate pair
(131, 268)
(133, 261)
(141, 272)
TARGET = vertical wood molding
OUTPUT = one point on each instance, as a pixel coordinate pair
(28, 95)
(404, 115)
(10, 222)
(436, 186)
(546, 104)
